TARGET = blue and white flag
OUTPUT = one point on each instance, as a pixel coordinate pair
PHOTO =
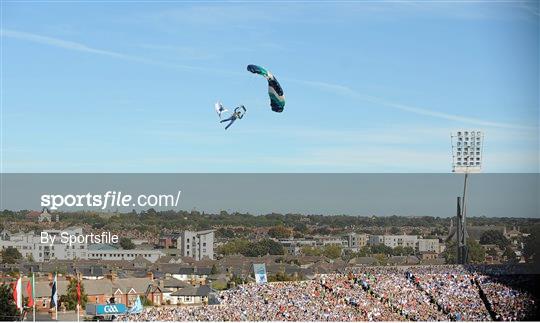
(54, 292)
(260, 273)
(137, 307)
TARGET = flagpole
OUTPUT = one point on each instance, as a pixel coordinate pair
(78, 299)
(33, 297)
(79, 303)
(56, 302)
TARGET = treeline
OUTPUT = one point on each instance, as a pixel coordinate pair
(152, 220)
(247, 248)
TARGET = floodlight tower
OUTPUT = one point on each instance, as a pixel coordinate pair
(467, 148)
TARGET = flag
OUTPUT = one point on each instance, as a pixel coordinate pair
(17, 294)
(30, 291)
(137, 307)
(78, 292)
(54, 292)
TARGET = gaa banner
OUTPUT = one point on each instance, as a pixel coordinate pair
(260, 273)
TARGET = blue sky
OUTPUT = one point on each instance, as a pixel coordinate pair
(370, 86)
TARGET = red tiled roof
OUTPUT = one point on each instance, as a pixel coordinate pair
(33, 214)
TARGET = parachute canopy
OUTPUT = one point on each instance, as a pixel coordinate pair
(277, 99)
(220, 109)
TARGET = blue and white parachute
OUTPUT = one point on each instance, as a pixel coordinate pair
(275, 92)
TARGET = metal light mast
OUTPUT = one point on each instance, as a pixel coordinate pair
(467, 148)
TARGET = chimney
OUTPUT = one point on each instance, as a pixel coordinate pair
(112, 276)
(150, 275)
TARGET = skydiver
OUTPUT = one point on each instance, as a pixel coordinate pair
(237, 114)
(220, 109)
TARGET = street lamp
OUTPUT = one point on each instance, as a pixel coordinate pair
(467, 148)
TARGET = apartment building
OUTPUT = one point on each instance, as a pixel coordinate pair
(355, 241)
(196, 244)
(30, 246)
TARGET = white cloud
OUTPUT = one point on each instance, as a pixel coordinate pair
(60, 43)
(75, 46)
(346, 91)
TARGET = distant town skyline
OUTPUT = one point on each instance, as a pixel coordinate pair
(370, 86)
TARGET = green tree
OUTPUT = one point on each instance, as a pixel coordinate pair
(381, 259)
(70, 299)
(408, 250)
(347, 255)
(262, 248)
(477, 253)
(301, 228)
(415, 232)
(219, 285)
(233, 247)
(214, 270)
(8, 309)
(145, 301)
(332, 251)
(236, 280)
(381, 249)
(225, 233)
(450, 253)
(494, 237)
(311, 251)
(279, 232)
(127, 244)
(11, 255)
(532, 245)
(398, 251)
(363, 252)
(395, 230)
(510, 255)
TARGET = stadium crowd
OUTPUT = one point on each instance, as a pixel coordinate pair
(509, 304)
(421, 293)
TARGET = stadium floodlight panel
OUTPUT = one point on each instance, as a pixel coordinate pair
(467, 149)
